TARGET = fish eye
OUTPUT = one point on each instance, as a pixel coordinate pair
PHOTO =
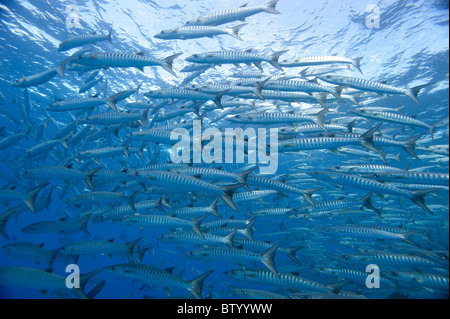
(316, 173)
(113, 267)
(345, 257)
(244, 293)
(233, 272)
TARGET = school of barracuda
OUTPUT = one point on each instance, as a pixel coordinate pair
(109, 166)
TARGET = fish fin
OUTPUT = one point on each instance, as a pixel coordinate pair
(168, 62)
(31, 196)
(413, 92)
(213, 208)
(132, 201)
(306, 194)
(234, 31)
(229, 238)
(196, 285)
(258, 65)
(406, 237)
(357, 64)
(268, 258)
(228, 193)
(275, 57)
(291, 253)
(109, 34)
(196, 225)
(218, 98)
(419, 198)
(336, 287)
(270, 7)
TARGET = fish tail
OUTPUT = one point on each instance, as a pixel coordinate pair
(109, 34)
(336, 287)
(244, 175)
(275, 57)
(307, 193)
(196, 285)
(213, 208)
(235, 30)
(337, 92)
(4, 219)
(270, 7)
(410, 145)
(247, 231)
(269, 258)
(132, 200)
(228, 193)
(406, 237)
(218, 98)
(318, 119)
(229, 238)
(291, 253)
(413, 92)
(196, 225)
(357, 64)
(168, 63)
(31, 196)
(80, 292)
(426, 235)
(83, 224)
(259, 88)
(94, 291)
(367, 140)
(419, 198)
(132, 248)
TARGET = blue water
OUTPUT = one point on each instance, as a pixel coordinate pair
(409, 48)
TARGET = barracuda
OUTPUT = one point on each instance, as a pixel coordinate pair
(89, 85)
(441, 179)
(116, 118)
(36, 79)
(186, 95)
(394, 118)
(61, 172)
(189, 237)
(114, 59)
(372, 86)
(234, 90)
(161, 221)
(369, 232)
(386, 258)
(188, 184)
(331, 143)
(236, 57)
(320, 60)
(279, 186)
(416, 197)
(80, 40)
(262, 245)
(288, 96)
(100, 247)
(231, 15)
(303, 86)
(124, 210)
(276, 118)
(8, 195)
(356, 276)
(159, 277)
(233, 254)
(76, 104)
(194, 32)
(41, 280)
(285, 280)
(57, 226)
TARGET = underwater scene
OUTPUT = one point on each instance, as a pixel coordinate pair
(204, 149)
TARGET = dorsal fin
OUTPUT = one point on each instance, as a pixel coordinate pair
(140, 53)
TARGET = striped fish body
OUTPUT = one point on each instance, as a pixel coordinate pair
(111, 118)
(269, 118)
(29, 251)
(393, 259)
(194, 32)
(302, 86)
(153, 221)
(99, 197)
(103, 152)
(11, 140)
(89, 85)
(321, 60)
(55, 172)
(229, 15)
(366, 168)
(154, 135)
(190, 237)
(96, 247)
(286, 280)
(56, 226)
(391, 117)
(36, 79)
(399, 176)
(180, 94)
(159, 277)
(45, 147)
(81, 40)
(75, 104)
(312, 143)
(355, 275)
(367, 232)
(178, 181)
(246, 196)
(124, 210)
(35, 279)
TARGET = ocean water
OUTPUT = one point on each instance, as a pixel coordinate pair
(404, 43)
